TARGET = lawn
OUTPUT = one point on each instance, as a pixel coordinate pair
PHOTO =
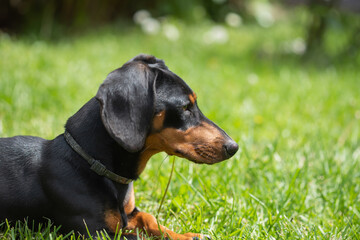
(296, 175)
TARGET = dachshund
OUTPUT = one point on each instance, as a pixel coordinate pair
(83, 179)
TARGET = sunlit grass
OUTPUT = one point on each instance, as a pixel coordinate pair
(298, 126)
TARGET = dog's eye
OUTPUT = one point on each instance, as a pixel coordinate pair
(186, 107)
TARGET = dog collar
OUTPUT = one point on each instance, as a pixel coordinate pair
(95, 165)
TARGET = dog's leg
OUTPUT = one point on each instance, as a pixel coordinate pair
(142, 221)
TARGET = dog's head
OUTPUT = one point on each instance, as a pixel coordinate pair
(146, 107)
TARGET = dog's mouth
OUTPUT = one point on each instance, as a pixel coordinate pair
(203, 144)
(187, 156)
(200, 155)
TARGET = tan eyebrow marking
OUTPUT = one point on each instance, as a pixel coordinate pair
(192, 98)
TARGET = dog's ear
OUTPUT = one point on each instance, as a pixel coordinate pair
(152, 61)
(127, 104)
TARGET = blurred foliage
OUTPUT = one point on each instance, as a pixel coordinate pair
(54, 18)
(38, 14)
(325, 14)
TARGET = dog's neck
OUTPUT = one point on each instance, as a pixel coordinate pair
(88, 130)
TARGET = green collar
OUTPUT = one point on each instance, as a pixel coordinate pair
(95, 165)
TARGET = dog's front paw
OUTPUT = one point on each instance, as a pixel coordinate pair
(202, 237)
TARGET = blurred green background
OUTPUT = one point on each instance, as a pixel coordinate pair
(281, 77)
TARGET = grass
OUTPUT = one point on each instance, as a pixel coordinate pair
(296, 175)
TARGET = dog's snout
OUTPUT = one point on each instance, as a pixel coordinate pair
(231, 147)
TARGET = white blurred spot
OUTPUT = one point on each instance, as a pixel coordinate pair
(171, 32)
(140, 16)
(247, 106)
(263, 14)
(356, 154)
(233, 19)
(217, 34)
(252, 78)
(150, 26)
(302, 160)
(298, 46)
(277, 157)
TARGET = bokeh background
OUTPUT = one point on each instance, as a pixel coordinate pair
(281, 77)
(51, 19)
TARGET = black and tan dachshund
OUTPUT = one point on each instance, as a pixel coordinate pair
(84, 176)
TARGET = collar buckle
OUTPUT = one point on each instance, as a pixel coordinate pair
(95, 165)
(99, 168)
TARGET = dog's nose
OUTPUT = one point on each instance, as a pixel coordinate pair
(231, 148)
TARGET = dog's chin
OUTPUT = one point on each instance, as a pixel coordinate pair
(198, 159)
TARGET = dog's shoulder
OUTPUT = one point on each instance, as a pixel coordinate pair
(21, 149)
